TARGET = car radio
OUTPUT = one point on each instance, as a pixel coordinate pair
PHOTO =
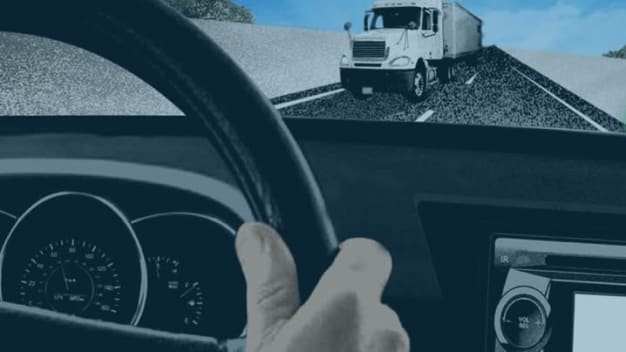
(552, 295)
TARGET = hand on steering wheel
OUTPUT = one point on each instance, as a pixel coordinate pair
(344, 312)
(160, 46)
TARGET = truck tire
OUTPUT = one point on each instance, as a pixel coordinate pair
(419, 86)
(446, 72)
(474, 59)
(358, 94)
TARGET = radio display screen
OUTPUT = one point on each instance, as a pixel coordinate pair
(599, 323)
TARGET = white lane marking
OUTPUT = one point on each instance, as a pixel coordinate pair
(425, 116)
(306, 99)
(573, 109)
(471, 80)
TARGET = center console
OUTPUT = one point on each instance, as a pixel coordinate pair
(556, 295)
(524, 278)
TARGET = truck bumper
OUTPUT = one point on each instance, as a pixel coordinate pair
(354, 79)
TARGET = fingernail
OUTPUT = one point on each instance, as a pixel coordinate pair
(360, 254)
(250, 243)
(354, 258)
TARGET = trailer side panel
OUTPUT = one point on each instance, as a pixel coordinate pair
(462, 31)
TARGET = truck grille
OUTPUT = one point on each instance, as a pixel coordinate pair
(368, 49)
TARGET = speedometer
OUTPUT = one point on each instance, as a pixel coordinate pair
(74, 277)
(77, 254)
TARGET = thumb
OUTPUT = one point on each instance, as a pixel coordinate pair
(271, 278)
(362, 266)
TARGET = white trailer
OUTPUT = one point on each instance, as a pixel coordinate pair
(408, 45)
(462, 31)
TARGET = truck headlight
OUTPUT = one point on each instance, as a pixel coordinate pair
(400, 61)
(345, 61)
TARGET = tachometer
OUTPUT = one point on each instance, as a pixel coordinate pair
(195, 282)
(74, 277)
(174, 303)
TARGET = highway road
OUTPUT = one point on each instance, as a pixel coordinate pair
(496, 90)
(43, 77)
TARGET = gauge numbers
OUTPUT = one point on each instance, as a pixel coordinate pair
(74, 277)
(174, 303)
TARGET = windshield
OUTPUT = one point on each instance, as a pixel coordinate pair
(557, 64)
(396, 17)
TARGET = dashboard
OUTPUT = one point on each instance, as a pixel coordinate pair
(445, 201)
(112, 241)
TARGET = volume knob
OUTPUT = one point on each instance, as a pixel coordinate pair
(521, 318)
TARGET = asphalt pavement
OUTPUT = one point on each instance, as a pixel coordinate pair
(497, 89)
(43, 77)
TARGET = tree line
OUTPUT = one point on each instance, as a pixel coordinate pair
(220, 10)
(619, 54)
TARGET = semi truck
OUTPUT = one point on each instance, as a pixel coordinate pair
(409, 45)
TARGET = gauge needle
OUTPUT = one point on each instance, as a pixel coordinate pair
(195, 284)
(67, 285)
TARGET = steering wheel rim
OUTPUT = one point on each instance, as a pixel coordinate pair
(160, 46)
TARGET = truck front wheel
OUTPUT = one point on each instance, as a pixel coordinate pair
(418, 88)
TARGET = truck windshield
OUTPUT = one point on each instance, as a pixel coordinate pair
(397, 17)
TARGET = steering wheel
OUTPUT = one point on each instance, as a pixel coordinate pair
(160, 46)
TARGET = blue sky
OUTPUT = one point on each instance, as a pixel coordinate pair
(587, 27)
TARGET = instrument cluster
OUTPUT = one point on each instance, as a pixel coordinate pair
(80, 254)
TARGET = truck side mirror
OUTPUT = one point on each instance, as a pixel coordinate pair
(366, 22)
(436, 21)
(412, 25)
(347, 26)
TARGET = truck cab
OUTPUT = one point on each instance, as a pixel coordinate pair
(407, 45)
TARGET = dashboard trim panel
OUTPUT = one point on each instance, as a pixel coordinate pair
(184, 180)
(7, 214)
(216, 220)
